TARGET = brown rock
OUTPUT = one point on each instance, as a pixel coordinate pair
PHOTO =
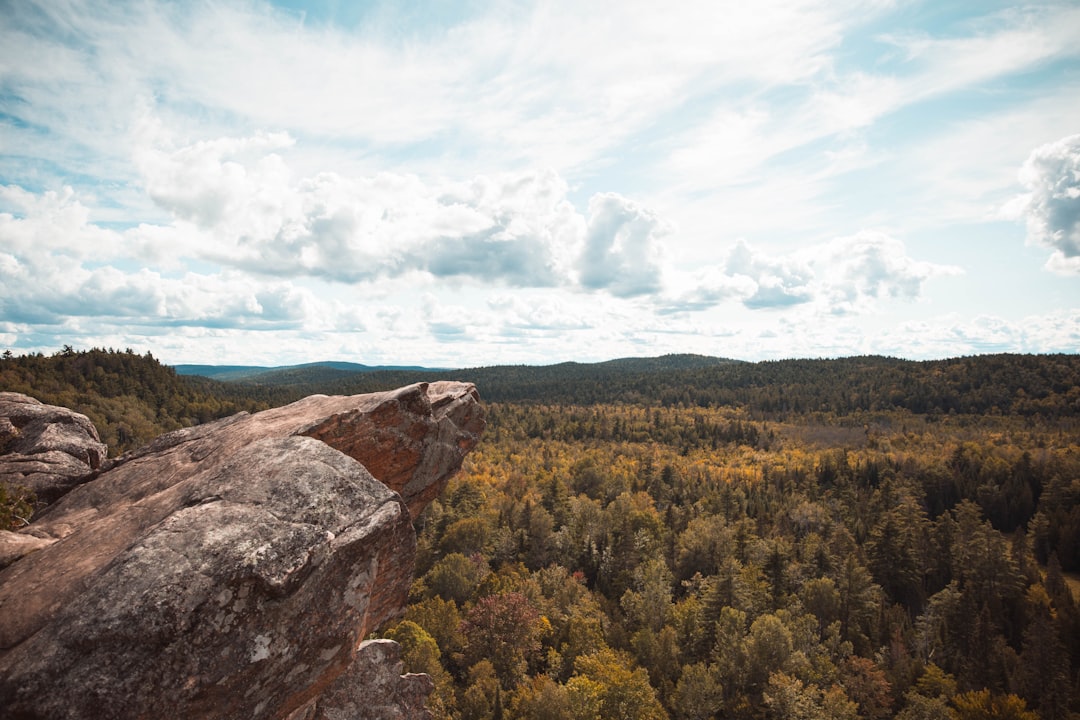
(228, 570)
(46, 448)
(402, 443)
(14, 545)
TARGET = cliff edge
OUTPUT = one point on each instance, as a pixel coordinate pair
(233, 569)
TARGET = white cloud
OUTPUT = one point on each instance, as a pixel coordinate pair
(540, 314)
(755, 145)
(999, 44)
(967, 172)
(1051, 206)
(780, 282)
(527, 233)
(845, 275)
(209, 182)
(51, 221)
(855, 271)
(516, 228)
(50, 288)
(623, 247)
(1054, 332)
(703, 289)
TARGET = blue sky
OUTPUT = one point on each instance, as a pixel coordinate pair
(458, 184)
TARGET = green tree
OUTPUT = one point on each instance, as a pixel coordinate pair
(935, 683)
(420, 654)
(455, 577)
(467, 536)
(479, 698)
(648, 601)
(788, 698)
(921, 707)
(439, 618)
(768, 649)
(860, 598)
(16, 506)
(699, 694)
(1044, 669)
(821, 599)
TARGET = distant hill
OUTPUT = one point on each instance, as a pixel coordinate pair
(1006, 384)
(133, 398)
(598, 381)
(220, 372)
(289, 374)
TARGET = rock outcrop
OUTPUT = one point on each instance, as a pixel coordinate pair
(46, 448)
(231, 570)
(373, 688)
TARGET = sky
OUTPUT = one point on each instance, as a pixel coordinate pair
(457, 184)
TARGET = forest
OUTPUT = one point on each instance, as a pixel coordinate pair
(698, 538)
(130, 398)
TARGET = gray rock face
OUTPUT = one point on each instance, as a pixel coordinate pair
(373, 688)
(46, 448)
(229, 570)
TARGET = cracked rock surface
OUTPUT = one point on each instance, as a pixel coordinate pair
(232, 570)
(46, 448)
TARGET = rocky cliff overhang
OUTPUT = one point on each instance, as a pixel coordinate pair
(232, 570)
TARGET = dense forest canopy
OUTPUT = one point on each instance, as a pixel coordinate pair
(690, 537)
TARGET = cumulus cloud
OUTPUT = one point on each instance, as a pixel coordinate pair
(51, 220)
(49, 289)
(210, 182)
(844, 275)
(868, 266)
(52, 288)
(704, 289)
(779, 282)
(1051, 206)
(623, 247)
(516, 229)
(529, 232)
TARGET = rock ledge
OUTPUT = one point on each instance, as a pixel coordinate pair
(232, 570)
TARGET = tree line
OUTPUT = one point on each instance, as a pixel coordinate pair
(130, 398)
(1028, 385)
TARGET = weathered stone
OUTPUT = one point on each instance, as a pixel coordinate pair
(403, 444)
(229, 570)
(373, 688)
(46, 448)
(15, 545)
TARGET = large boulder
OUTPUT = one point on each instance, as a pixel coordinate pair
(230, 570)
(46, 448)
